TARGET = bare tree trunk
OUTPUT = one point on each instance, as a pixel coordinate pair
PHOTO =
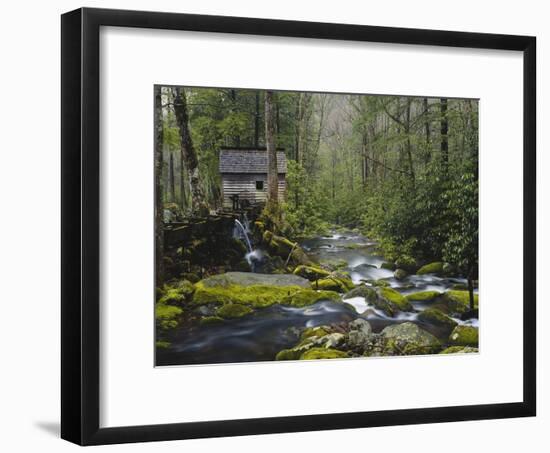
(159, 224)
(198, 201)
(272, 173)
(172, 178)
(409, 145)
(427, 131)
(183, 196)
(444, 136)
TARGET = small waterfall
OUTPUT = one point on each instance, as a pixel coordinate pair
(241, 232)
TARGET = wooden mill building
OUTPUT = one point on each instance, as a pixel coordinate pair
(244, 176)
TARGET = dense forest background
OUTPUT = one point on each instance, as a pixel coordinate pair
(404, 170)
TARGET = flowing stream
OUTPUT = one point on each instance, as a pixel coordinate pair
(260, 335)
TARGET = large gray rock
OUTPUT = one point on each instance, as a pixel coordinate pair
(359, 334)
(409, 339)
(249, 279)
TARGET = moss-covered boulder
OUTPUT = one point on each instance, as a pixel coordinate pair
(380, 282)
(281, 246)
(362, 291)
(323, 353)
(458, 301)
(388, 266)
(395, 298)
(437, 318)
(211, 320)
(161, 344)
(288, 354)
(311, 273)
(400, 274)
(431, 268)
(409, 339)
(252, 279)
(423, 296)
(464, 336)
(230, 311)
(166, 316)
(459, 350)
(339, 284)
(407, 263)
(319, 331)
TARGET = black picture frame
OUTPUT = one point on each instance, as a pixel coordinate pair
(80, 115)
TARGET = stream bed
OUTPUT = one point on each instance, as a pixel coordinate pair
(262, 334)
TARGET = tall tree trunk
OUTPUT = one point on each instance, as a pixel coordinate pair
(183, 196)
(409, 145)
(471, 287)
(236, 137)
(257, 121)
(159, 208)
(272, 173)
(199, 206)
(172, 178)
(444, 136)
(427, 132)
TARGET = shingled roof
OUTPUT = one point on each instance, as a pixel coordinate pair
(240, 160)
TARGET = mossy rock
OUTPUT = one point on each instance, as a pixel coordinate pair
(400, 274)
(459, 301)
(323, 353)
(409, 339)
(319, 331)
(331, 283)
(336, 264)
(423, 296)
(305, 297)
(459, 350)
(251, 279)
(311, 273)
(211, 320)
(230, 311)
(362, 291)
(166, 316)
(161, 344)
(407, 263)
(395, 298)
(257, 296)
(431, 268)
(288, 354)
(464, 336)
(388, 266)
(437, 317)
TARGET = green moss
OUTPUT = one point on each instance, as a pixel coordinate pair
(323, 353)
(387, 265)
(336, 264)
(254, 295)
(423, 296)
(464, 336)
(400, 274)
(334, 284)
(209, 320)
(305, 297)
(288, 354)
(190, 276)
(166, 316)
(312, 273)
(162, 344)
(178, 293)
(459, 301)
(233, 311)
(459, 350)
(362, 291)
(435, 316)
(314, 332)
(396, 298)
(431, 268)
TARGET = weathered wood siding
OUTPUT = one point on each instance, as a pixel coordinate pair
(244, 185)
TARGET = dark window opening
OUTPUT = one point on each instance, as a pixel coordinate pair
(259, 185)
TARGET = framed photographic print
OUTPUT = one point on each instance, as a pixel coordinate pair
(257, 213)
